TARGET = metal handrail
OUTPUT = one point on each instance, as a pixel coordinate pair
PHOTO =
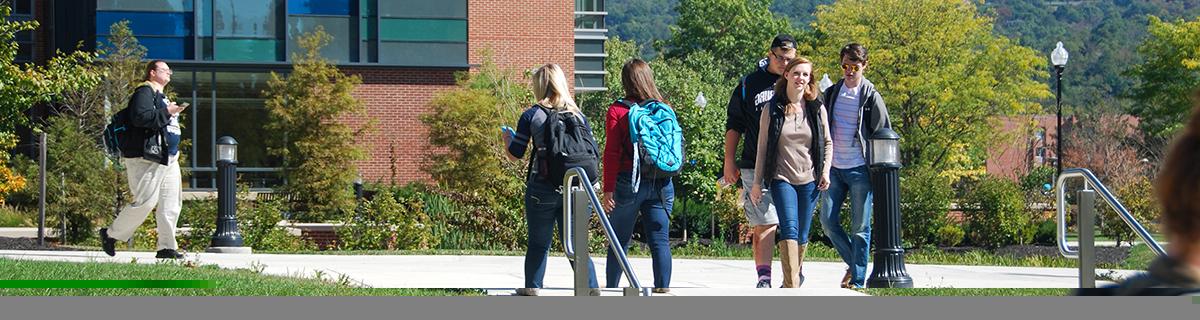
(577, 174)
(1091, 181)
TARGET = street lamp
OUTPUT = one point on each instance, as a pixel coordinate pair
(227, 238)
(1059, 58)
(888, 271)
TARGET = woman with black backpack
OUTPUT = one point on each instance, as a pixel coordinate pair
(654, 195)
(567, 129)
(794, 154)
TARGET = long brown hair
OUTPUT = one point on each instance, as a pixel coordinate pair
(1178, 184)
(638, 81)
(810, 93)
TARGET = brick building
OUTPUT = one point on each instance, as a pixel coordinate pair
(222, 52)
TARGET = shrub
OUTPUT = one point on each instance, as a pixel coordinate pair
(949, 235)
(996, 214)
(1137, 197)
(388, 222)
(1047, 231)
(259, 224)
(11, 217)
(318, 151)
(82, 185)
(924, 203)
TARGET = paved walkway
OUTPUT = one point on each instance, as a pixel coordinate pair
(500, 274)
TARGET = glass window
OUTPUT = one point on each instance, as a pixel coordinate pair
(255, 19)
(241, 113)
(337, 50)
(25, 53)
(424, 9)
(589, 5)
(589, 63)
(145, 5)
(22, 7)
(206, 16)
(589, 80)
(589, 46)
(148, 23)
(319, 7)
(246, 49)
(423, 30)
(589, 21)
(423, 53)
(166, 48)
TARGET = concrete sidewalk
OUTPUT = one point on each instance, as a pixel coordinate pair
(500, 274)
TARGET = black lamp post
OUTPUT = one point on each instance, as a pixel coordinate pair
(1059, 58)
(888, 271)
(227, 238)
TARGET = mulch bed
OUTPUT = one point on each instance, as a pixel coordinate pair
(30, 244)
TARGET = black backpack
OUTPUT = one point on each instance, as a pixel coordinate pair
(116, 132)
(566, 143)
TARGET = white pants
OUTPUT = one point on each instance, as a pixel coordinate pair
(152, 184)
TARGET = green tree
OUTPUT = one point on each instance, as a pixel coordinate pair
(642, 21)
(735, 32)
(944, 74)
(318, 151)
(1167, 76)
(22, 86)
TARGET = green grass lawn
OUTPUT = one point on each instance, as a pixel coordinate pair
(226, 282)
(967, 292)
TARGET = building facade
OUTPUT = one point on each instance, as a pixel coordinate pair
(406, 51)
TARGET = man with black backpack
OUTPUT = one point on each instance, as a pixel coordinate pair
(149, 145)
(562, 140)
(749, 98)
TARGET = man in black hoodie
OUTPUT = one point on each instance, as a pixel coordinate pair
(855, 112)
(752, 94)
(151, 159)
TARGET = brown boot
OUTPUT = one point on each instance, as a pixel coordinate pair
(789, 257)
(800, 264)
(846, 279)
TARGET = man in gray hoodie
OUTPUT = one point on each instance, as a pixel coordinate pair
(855, 111)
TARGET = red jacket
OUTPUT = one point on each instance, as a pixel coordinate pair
(618, 149)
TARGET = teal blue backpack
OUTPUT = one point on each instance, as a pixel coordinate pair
(657, 140)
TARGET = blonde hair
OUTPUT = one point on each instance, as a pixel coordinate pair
(551, 90)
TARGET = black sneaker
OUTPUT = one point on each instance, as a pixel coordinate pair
(168, 254)
(109, 244)
(764, 283)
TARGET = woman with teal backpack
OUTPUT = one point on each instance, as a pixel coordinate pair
(652, 196)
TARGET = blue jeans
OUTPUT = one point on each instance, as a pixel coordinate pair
(654, 200)
(543, 210)
(794, 204)
(853, 248)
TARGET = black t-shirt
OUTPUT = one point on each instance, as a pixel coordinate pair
(752, 94)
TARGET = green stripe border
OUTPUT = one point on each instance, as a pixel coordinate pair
(108, 284)
(1196, 300)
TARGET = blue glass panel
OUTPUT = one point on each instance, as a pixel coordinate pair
(255, 19)
(166, 48)
(205, 14)
(325, 7)
(145, 5)
(148, 23)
